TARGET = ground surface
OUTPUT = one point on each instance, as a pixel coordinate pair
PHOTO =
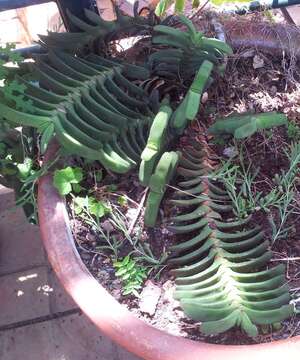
(38, 320)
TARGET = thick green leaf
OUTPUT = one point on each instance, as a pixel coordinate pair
(46, 137)
(246, 130)
(179, 5)
(25, 168)
(162, 6)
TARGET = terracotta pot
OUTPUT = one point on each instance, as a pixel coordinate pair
(275, 39)
(112, 318)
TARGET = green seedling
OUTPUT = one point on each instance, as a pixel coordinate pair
(132, 275)
(122, 200)
(46, 136)
(293, 131)
(93, 206)
(67, 180)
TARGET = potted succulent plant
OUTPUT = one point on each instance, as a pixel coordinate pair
(112, 318)
(96, 108)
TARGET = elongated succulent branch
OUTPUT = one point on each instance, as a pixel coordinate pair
(92, 106)
(94, 32)
(184, 51)
(244, 125)
(189, 107)
(221, 268)
(156, 143)
(159, 180)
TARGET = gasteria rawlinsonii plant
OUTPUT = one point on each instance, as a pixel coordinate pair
(183, 52)
(92, 107)
(221, 270)
(94, 33)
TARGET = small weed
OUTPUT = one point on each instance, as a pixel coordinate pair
(122, 200)
(269, 15)
(93, 206)
(111, 188)
(141, 249)
(240, 181)
(219, 140)
(46, 136)
(67, 180)
(287, 188)
(91, 210)
(293, 131)
(132, 275)
(98, 175)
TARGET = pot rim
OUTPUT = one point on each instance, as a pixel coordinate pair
(113, 319)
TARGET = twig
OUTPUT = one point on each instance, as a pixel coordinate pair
(126, 196)
(139, 209)
(199, 10)
(287, 259)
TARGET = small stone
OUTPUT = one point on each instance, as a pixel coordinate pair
(102, 276)
(168, 296)
(86, 256)
(116, 293)
(116, 284)
(107, 226)
(251, 105)
(273, 90)
(204, 97)
(258, 62)
(131, 213)
(247, 54)
(180, 314)
(230, 152)
(149, 298)
(91, 237)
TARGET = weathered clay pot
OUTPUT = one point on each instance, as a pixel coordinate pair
(276, 39)
(112, 318)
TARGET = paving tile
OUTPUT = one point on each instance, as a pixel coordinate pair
(294, 12)
(20, 243)
(105, 9)
(123, 354)
(7, 198)
(59, 300)
(24, 296)
(31, 342)
(68, 338)
(88, 344)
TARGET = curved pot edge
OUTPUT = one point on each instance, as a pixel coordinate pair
(113, 319)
